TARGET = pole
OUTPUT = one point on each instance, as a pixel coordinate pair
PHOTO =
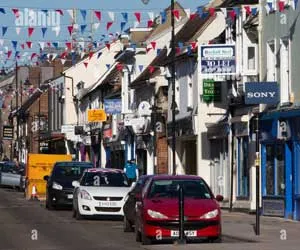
(17, 107)
(39, 129)
(173, 87)
(257, 165)
(181, 239)
(11, 123)
(154, 112)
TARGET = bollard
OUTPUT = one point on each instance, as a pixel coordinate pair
(181, 239)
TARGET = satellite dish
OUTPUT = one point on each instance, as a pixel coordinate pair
(144, 109)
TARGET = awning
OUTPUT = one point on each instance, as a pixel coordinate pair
(242, 118)
(280, 114)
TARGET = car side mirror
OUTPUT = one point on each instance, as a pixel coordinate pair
(46, 177)
(75, 183)
(219, 198)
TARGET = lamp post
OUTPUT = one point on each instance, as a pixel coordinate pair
(173, 72)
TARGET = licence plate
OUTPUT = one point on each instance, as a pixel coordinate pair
(187, 233)
(70, 196)
(108, 204)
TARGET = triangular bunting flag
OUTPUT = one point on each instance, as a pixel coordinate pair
(138, 16)
(44, 29)
(163, 16)
(70, 29)
(63, 61)
(33, 55)
(254, 11)
(237, 11)
(55, 44)
(153, 44)
(148, 49)
(211, 11)
(23, 46)
(151, 69)
(192, 16)
(18, 30)
(232, 14)
(86, 64)
(111, 15)
(189, 50)
(224, 11)
(141, 67)
(108, 66)
(82, 55)
(123, 25)
(176, 14)
(99, 54)
(42, 45)
(107, 46)
(98, 14)
(16, 12)
(14, 44)
(83, 14)
(69, 45)
(149, 23)
(30, 31)
(2, 10)
(194, 45)
(82, 28)
(119, 67)
(4, 30)
(63, 55)
(248, 10)
(54, 55)
(281, 6)
(49, 44)
(1, 42)
(29, 44)
(158, 52)
(57, 30)
(125, 16)
(71, 13)
(295, 4)
(96, 26)
(108, 25)
(9, 54)
(91, 55)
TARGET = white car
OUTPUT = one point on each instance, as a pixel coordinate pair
(100, 191)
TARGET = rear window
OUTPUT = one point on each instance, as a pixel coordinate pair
(169, 189)
(108, 179)
(69, 171)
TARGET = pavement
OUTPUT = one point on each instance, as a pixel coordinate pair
(28, 225)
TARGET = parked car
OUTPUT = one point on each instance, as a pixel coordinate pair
(158, 210)
(59, 189)
(12, 175)
(129, 206)
(100, 191)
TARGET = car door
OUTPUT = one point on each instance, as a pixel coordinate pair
(6, 175)
(11, 176)
(139, 205)
(76, 191)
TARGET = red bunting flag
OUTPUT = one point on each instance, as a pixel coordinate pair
(48, 44)
(148, 49)
(29, 44)
(138, 16)
(281, 5)
(23, 46)
(30, 31)
(33, 55)
(70, 29)
(91, 55)
(248, 10)
(150, 24)
(9, 54)
(69, 45)
(194, 45)
(176, 13)
(119, 67)
(151, 69)
(60, 12)
(192, 16)
(211, 11)
(108, 25)
(98, 14)
(86, 64)
(178, 50)
(232, 14)
(107, 46)
(16, 12)
(153, 44)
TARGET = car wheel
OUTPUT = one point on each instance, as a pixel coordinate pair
(215, 239)
(145, 240)
(78, 215)
(49, 204)
(138, 236)
(127, 227)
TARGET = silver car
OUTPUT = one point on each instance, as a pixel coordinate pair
(11, 175)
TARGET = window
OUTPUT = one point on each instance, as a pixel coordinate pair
(189, 91)
(177, 94)
(251, 65)
(275, 170)
(243, 169)
(105, 179)
(69, 171)
(284, 72)
(271, 62)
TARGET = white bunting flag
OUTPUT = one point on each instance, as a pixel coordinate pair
(63, 61)
(151, 15)
(54, 55)
(136, 24)
(42, 45)
(56, 30)
(82, 55)
(188, 12)
(96, 26)
(18, 30)
(71, 13)
(224, 11)
(1, 42)
(111, 15)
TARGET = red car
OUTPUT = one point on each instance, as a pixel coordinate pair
(158, 210)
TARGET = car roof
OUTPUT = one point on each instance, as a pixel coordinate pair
(176, 177)
(104, 170)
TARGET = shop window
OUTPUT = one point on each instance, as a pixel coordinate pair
(243, 169)
(275, 170)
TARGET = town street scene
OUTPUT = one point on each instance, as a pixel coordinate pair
(145, 124)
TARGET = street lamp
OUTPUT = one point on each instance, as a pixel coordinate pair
(173, 104)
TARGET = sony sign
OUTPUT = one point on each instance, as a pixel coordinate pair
(261, 93)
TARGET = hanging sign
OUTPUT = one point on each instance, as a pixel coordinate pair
(113, 106)
(261, 93)
(211, 90)
(8, 132)
(96, 115)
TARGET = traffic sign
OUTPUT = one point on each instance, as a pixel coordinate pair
(96, 115)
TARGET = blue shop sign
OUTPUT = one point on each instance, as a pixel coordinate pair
(218, 59)
(261, 93)
(113, 106)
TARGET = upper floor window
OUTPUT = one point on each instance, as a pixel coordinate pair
(271, 61)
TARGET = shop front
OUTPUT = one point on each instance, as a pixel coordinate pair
(280, 145)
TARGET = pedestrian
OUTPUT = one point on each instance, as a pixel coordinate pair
(131, 171)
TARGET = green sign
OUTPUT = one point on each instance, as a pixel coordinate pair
(211, 91)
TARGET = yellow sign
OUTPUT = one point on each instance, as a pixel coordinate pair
(96, 115)
(257, 162)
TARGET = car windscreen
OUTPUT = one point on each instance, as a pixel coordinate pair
(192, 188)
(104, 179)
(69, 171)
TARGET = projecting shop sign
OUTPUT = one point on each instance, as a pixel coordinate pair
(217, 59)
(113, 106)
(8, 132)
(261, 93)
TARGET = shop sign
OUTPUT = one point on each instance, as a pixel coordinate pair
(113, 106)
(273, 207)
(211, 91)
(217, 59)
(96, 115)
(8, 132)
(241, 128)
(261, 93)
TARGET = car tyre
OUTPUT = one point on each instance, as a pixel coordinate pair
(127, 226)
(215, 239)
(49, 204)
(78, 215)
(138, 236)
(145, 240)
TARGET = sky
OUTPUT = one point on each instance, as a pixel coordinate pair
(100, 34)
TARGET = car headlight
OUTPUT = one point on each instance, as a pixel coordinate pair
(156, 215)
(56, 186)
(85, 195)
(211, 214)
